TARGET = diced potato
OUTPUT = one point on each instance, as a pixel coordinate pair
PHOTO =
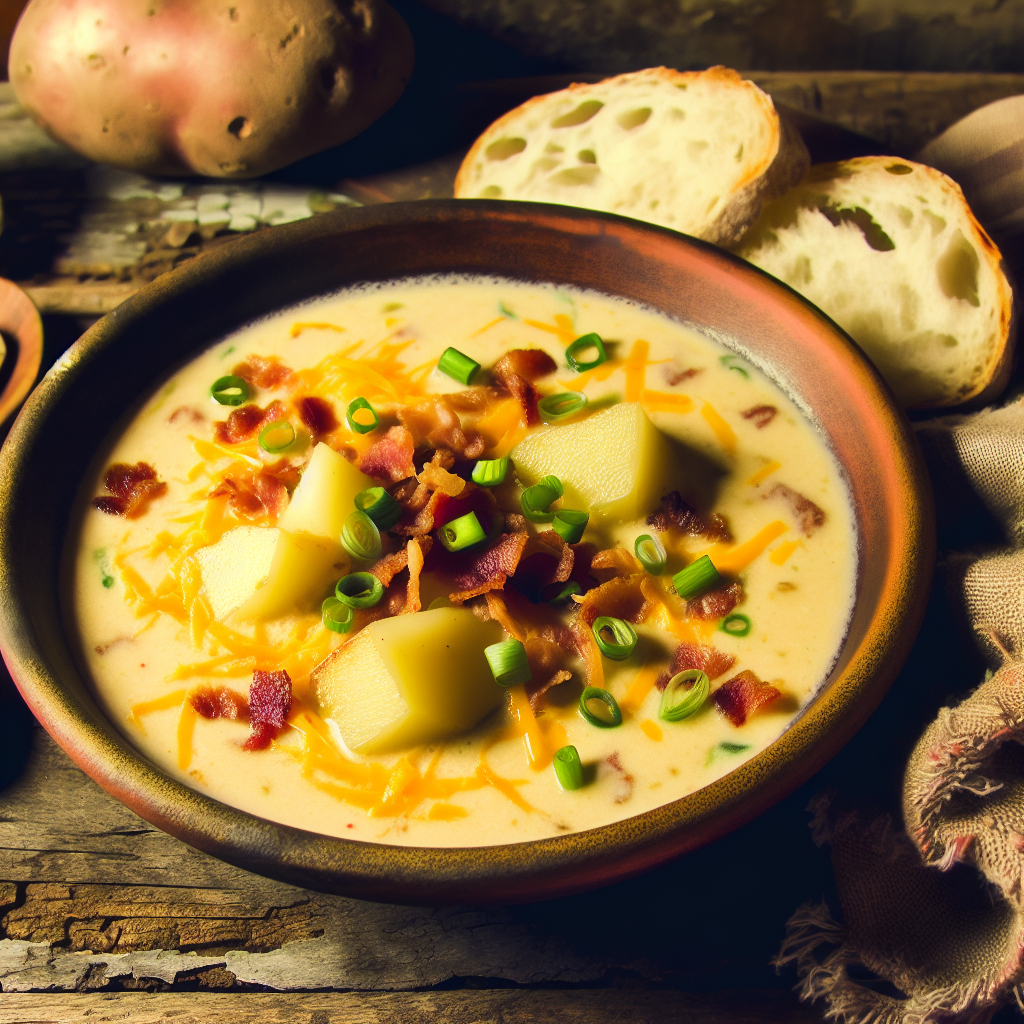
(409, 679)
(325, 496)
(235, 566)
(615, 464)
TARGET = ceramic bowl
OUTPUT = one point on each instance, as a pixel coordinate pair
(182, 313)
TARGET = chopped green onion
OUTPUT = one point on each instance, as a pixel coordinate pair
(361, 538)
(736, 624)
(360, 404)
(568, 768)
(572, 587)
(490, 472)
(651, 553)
(696, 578)
(581, 344)
(383, 509)
(337, 617)
(728, 361)
(679, 701)
(508, 662)
(569, 524)
(457, 365)
(462, 533)
(536, 499)
(624, 638)
(600, 708)
(359, 590)
(229, 390)
(561, 406)
(277, 437)
(733, 748)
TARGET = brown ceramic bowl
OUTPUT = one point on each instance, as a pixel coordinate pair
(122, 356)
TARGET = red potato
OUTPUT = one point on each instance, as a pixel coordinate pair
(224, 88)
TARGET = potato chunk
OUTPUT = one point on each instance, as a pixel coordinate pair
(615, 464)
(325, 496)
(409, 679)
(235, 566)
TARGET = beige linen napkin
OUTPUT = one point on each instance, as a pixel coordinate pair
(951, 947)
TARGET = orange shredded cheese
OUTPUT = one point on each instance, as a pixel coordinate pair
(783, 552)
(763, 473)
(724, 433)
(665, 401)
(651, 730)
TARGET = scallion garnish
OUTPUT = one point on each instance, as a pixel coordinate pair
(361, 538)
(536, 499)
(462, 533)
(383, 509)
(569, 524)
(229, 390)
(736, 624)
(561, 406)
(457, 365)
(697, 577)
(729, 361)
(572, 587)
(568, 767)
(684, 694)
(600, 708)
(360, 404)
(277, 437)
(508, 662)
(337, 617)
(490, 472)
(650, 552)
(580, 345)
(359, 590)
(624, 638)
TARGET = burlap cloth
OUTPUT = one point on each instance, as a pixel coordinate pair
(923, 938)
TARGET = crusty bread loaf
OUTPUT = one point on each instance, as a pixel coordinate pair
(891, 251)
(699, 152)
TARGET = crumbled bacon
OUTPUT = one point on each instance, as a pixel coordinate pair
(618, 560)
(390, 458)
(717, 603)
(262, 371)
(611, 768)
(808, 515)
(545, 561)
(388, 567)
(436, 477)
(130, 488)
(434, 421)
(490, 569)
(253, 495)
(762, 415)
(517, 370)
(673, 375)
(442, 508)
(742, 696)
(186, 411)
(316, 414)
(698, 656)
(545, 658)
(621, 597)
(243, 422)
(417, 549)
(219, 702)
(475, 399)
(673, 511)
(270, 701)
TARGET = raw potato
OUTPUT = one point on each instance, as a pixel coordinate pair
(891, 251)
(230, 90)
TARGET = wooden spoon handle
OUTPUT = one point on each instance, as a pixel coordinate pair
(20, 319)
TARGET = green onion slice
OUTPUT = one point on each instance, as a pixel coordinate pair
(457, 365)
(600, 708)
(561, 406)
(490, 472)
(229, 390)
(580, 345)
(277, 437)
(508, 662)
(337, 617)
(462, 533)
(360, 404)
(383, 509)
(684, 694)
(361, 538)
(696, 578)
(568, 768)
(536, 499)
(736, 624)
(730, 363)
(624, 638)
(572, 587)
(359, 590)
(569, 524)
(650, 552)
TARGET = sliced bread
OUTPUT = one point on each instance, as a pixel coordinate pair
(698, 152)
(890, 250)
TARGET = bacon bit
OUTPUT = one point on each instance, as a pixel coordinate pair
(388, 567)
(262, 371)
(697, 656)
(762, 415)
(416, 549)
(717, 603)
(545, 658)
(673, 375)
(499, 611)
(673, 511)
(390, 458)
(583, 558)
(193, 414)
(437, 478)
(316, 414)
(131, 488)
(219, 702)
(808, 515)
(254, 495)
(516, 371)
(443, 508)
(620, 597)
(546, 560)
(610, 767)
(742, 696)
(620, 561)
(582, 641)
(475, 399)
(490, 570)
(435, 422)
(244, 421)
(270, 701)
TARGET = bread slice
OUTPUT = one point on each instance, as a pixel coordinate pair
(699, 152)
(890, 250)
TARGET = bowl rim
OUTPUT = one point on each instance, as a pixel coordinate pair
(507, 873)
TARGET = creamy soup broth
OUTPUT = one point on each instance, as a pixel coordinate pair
(148, 642)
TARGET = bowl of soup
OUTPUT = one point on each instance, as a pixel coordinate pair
(459, 551)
